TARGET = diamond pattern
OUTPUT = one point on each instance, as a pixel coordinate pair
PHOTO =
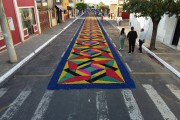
(90, 61)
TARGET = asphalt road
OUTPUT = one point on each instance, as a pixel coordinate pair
(25, 95)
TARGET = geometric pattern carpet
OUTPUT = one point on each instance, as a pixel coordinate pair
(91, 61)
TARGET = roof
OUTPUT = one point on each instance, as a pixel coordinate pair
(60, 7)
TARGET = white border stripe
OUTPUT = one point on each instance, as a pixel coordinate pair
(128, 67)
(174, 90)
(62, 54)
(159, 102)
(67, 46)
(43, 105)
(2, 91)
(120, 54)
(14, 106)
(133, 109)
(114, 44)
(101, 105)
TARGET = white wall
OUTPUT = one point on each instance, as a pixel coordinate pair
(170, 29)
(166, 28)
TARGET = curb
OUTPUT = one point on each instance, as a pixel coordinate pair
(168, 66)
(26, 59)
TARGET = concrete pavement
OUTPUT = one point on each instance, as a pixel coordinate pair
(164, 54)
(25, 51)
(156, 96)
(169, 56)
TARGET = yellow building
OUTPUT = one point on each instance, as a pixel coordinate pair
(65, 3)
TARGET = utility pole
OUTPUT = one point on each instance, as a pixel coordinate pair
(7, 35)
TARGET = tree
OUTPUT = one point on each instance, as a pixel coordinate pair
(7, 35)
(81, 6)
(103, 7)
(154, 9)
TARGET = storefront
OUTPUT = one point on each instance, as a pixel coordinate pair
(28, 19)
(22, 18)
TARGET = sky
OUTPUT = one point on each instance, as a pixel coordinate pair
(97, 1)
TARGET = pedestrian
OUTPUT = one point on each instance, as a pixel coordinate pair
(132, 35)
(109, 15)
(142, 37)
(118, 19)
(102, 17)
(122, 38)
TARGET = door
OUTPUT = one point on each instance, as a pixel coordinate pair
(176, 34)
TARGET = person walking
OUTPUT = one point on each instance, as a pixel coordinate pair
(142, 37)
(132, 35)
(122, 38)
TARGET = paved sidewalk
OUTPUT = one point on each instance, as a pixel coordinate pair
(167, 54)
(32, 45)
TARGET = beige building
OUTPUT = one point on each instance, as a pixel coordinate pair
(116, 7)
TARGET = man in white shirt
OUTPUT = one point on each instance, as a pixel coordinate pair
(142, 37)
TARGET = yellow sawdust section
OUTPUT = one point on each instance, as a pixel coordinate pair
(85, 82)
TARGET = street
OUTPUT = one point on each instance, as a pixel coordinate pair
(25, 96)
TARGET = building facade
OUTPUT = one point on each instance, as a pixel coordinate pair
(168, 29)
(22, 18)
(116, 9)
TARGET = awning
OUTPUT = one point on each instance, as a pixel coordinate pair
(69, 8)
(60, 7)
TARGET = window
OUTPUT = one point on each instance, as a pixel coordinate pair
(27, 17)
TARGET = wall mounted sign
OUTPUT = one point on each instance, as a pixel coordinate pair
(11, 24)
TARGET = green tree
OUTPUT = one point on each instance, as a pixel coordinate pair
(154, 9)
(81, 6)
(103, 7)
(97, 6)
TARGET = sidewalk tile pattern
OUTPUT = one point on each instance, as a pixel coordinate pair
(91, 62)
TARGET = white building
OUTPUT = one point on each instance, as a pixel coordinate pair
(168, 29)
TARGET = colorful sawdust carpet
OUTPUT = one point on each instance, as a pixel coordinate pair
(91, 61)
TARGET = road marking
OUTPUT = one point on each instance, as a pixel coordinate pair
(14, 106)
(120, 54)
(159, 102)
(43, 105)
(174, 90)
(114, 44)
(2, 91)
(128, 67)
(133, 109)
(67, 46)
(101, 105)
(149, 73)
(62, 54)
